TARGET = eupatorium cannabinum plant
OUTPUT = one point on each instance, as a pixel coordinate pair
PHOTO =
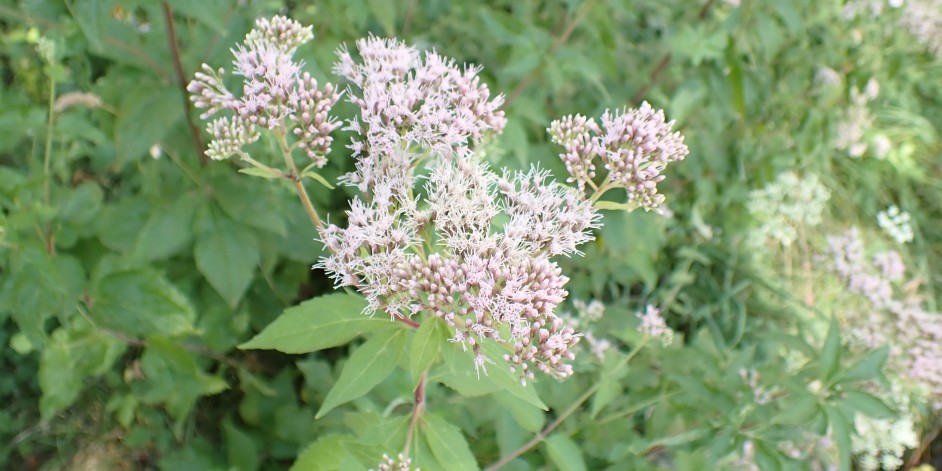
(434, 232)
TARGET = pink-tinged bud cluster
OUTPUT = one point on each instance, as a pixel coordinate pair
(487, 281)
(408, 98)
(229, 136)
(890, 315)
(401, 463)
(634, 145)
(275, 94)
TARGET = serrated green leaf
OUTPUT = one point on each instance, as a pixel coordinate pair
(167, 231)
(37, 287)
(82, 204)
(608, 391)
(367, 455)
(868, 405)
(426, 346)
(227, 256)
(326, 454)
(141, 303)
(174, 379)
(368, 366)
(564, 453)
(319, 323)
(158, 107)
(868, 367)
(74, 353)
(448, 444)
(212, 13)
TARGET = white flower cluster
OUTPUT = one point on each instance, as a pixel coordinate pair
(787, 205)
(857, 121)
(879, 444)
(401, 463)
(582, 319)
(896, 224)
(923, 20)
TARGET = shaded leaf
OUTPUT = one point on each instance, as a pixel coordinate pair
(319, 323)
(368, 366)
(564, 453)
(448, 444)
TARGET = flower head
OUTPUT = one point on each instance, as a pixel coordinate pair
(275, 93)
(634, 145)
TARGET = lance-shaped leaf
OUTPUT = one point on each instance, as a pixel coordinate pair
(368, 366)
(319, 323)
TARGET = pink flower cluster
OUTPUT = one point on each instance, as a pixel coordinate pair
(275, 94)
(485, 281)
(891, 317)
(634, 145)
(408, 98)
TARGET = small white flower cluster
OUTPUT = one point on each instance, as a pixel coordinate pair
(890, 317)
(852, 130)
(652, 325)
(923, 20)
(896, 224)
(879, 444)
(871, 8)
(635, 146)
(401, 463)
(787, 205)
(275, 94)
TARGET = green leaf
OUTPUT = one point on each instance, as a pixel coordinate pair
(462, 376)
(146, 116)
(612, 206)
(74, 353)
(448, 444)
(530, 417)
(319, 323)
(141, 303)
(841, 432)
(174, 379)
(868, 367)
(37, 287)
(212, 13)
(318, 178)
(326, 454)
(368, 366)
(167, 231)
(227, 256)
(830, 357)
(82, 204)
(240, 448)
(564, 453)
(260, 172)
(868, 405)
(608, 391)
(426, 346)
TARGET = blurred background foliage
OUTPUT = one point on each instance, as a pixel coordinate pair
(130, 270)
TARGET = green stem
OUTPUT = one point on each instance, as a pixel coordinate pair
(50, 247)
(296, 180)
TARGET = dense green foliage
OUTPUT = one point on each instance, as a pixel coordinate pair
(158, 311)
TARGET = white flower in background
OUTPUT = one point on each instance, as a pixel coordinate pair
(653, 325)
(787, 204)
(401, 463)
(879, 444)
(881, 146)
(923, 20)
(827, 77)
(896, 224)
(857, 121)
